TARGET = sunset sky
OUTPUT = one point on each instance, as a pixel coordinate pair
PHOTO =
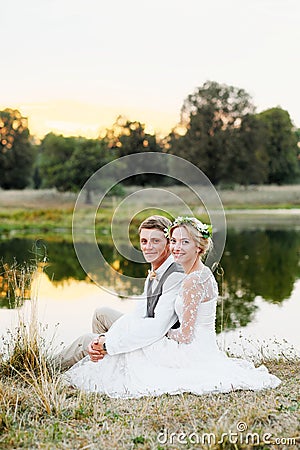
(72, 66)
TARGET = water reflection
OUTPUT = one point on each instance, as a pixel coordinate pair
(265, 263)
(261, 263)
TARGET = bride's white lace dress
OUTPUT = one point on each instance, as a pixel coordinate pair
(188, 360)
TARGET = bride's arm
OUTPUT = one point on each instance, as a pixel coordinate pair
(194, 292)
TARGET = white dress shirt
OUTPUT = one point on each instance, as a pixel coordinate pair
(136, 330)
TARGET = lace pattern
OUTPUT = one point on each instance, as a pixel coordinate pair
(198, 287)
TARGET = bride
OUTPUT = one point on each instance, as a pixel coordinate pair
(187, 359)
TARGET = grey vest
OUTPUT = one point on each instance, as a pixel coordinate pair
(153, 297)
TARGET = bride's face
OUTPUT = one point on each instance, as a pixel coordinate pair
(183, 247)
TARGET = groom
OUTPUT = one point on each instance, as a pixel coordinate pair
(154, 314)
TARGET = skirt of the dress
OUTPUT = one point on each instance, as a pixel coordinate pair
(168, 367)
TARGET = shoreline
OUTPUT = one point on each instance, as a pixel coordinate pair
(49, 213)
(263, 211)
(33, 223)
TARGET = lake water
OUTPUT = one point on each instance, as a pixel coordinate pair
(258, 312)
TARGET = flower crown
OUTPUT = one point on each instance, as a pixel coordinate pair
(204, 229)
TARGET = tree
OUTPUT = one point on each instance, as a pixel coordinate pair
(219, 122)
(88, 156)
(67, 162)
(281, 146)
(220, 105)
(246, 159)
(56, 151)
(297, 134)
(16, 151)
(126, 138)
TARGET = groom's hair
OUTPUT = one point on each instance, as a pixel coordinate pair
(158, 222)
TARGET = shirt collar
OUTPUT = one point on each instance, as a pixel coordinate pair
(163, 267)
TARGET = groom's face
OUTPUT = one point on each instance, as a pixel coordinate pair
(154, 245)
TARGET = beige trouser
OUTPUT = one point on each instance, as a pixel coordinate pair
(103, 319)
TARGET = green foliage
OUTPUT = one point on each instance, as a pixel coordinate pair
(16, 151)
(221, 107)
(117, 191)
(67, 162)
(139, 440)
(88, 156)
(126, 138)
(56, 152)
(281, 146)
(219, 132)
(231, 144)
(297, 135)
(212, 116)
(245, 157)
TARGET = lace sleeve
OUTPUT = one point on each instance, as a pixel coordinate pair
(194, 292)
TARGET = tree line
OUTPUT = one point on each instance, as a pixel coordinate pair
(219, 132)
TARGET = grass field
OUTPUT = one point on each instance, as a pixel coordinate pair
(50, 212)
(240, 197)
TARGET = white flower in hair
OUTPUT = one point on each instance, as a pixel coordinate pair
(204, 229)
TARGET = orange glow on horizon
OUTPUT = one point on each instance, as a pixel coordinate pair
(74, 118)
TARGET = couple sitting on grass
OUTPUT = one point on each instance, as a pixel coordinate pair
(168, 344)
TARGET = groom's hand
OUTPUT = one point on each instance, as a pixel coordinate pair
(95, 350)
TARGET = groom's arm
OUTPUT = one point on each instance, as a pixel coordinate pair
(131, 332)
(95, 348)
